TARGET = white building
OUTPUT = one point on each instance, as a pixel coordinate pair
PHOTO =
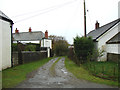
(46, 43)
(5, 41)
(107, 39)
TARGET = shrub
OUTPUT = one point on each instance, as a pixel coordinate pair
(14, 46)
(83, 47)
(30, 48)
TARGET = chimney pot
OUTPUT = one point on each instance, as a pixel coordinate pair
(30, 30)
(16, 31)
(46, 34)
(96, 25)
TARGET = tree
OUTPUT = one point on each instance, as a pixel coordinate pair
(83, 47)
(60, 47)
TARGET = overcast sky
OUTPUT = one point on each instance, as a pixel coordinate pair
(59, 17)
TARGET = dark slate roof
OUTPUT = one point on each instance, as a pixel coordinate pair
(115, 39)
(28, 36)
(4, 17)
(95, 34)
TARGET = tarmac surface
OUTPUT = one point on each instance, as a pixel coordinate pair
(42, 78)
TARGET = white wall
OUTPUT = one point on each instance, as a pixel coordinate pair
(46, 43)
(104, 38)
(107, 36)
(0, 45)
(6, 45)
(48, 52)
(113, 48)
(0, 55)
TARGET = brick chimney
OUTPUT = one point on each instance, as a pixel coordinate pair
(16, 31)
(46, 34)
(96, 25)
(30, 30)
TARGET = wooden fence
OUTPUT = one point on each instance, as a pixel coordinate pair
(27, 56)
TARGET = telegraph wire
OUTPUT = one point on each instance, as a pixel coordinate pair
(45, 11)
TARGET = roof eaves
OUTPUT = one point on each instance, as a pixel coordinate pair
(95, 40)
(6, 19)
(116, 41)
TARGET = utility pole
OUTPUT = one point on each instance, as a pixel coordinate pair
(84, 19)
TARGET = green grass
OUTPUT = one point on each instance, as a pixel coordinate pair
(82, 73)
(52, 68)
(13, 76)
(0, 80)
(106, 70)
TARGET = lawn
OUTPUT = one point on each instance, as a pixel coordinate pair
(82, 73)
(13, 76)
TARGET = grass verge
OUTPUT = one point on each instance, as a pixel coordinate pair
(52, 68)
(81, 73)
(13, 76)
(106, 70)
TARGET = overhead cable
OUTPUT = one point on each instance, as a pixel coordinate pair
(46, 10)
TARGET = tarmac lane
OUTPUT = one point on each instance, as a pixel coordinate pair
(43, 78)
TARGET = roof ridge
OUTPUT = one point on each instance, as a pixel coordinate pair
(4, 15)
(29, 32)
(110, 23)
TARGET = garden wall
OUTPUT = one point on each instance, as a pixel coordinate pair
(113, 57)
(28, 56)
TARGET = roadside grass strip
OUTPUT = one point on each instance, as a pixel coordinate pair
(82, 73)
(0, 80)
(52, 68)
(13, 76)
(106, 70)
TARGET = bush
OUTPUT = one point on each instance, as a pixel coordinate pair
(83, 47)
(14, 46)
(30, 48)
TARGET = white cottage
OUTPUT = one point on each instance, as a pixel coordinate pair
(46, 43)
(107, 39)
(5, 41)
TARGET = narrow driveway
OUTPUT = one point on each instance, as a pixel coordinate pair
(62, 78)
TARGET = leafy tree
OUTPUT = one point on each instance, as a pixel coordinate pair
(60, 47)
(83, 47)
